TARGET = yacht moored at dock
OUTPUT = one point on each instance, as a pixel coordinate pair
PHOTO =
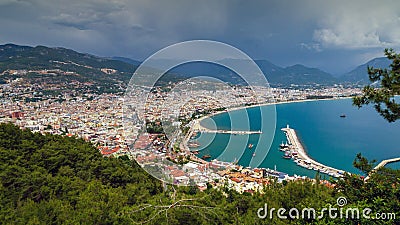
(302, 159)
(206, 156)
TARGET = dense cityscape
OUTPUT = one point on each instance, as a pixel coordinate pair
(199, 112)
(98, 118)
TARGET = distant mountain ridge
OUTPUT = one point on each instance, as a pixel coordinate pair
(90, 67)
(298, 74)
(40, 57)
(63, 66)
(127, 60)
(359, 75)
(277, 76)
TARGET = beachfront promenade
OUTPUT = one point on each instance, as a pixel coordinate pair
(197, 127)
(302, 159)
(230, 131)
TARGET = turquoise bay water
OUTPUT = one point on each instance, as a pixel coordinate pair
(328, 138)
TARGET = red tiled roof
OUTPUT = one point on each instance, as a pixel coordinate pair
(235, 179)
(107, 151)
(177, 173)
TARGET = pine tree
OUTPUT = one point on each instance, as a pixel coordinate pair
(383, 97)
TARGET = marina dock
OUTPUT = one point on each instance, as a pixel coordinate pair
(302, 159)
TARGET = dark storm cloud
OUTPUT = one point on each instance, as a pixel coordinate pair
(315, 33)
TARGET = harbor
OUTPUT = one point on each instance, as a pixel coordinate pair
(336, 148)
(294, 150)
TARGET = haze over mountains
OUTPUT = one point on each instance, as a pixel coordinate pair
(89, 67)
(358, 75)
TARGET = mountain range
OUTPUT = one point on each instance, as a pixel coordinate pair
(119, 69)
(359, 74)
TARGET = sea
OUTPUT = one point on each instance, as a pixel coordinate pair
(326, 136)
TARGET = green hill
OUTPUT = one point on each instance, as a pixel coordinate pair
(60, 66)
(88, 68)
(40, 57)
(359, 75)
(48, 179)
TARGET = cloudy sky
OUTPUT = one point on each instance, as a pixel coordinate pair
(331, 35)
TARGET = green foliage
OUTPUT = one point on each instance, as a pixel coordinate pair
(51, 179)
(363, 164)
(381, 193)
(383, 97)
(154, 127)
(41, 57)
(86, 68)
(55, 179)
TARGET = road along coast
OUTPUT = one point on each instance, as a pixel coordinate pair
(197, 123)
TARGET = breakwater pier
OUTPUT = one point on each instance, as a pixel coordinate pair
(386, 161)
(301, 158)
(382, 164)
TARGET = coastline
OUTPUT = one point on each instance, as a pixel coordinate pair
(198, 121)
(328, 170)
(302, 159)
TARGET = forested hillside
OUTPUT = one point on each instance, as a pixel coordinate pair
(48, 179)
